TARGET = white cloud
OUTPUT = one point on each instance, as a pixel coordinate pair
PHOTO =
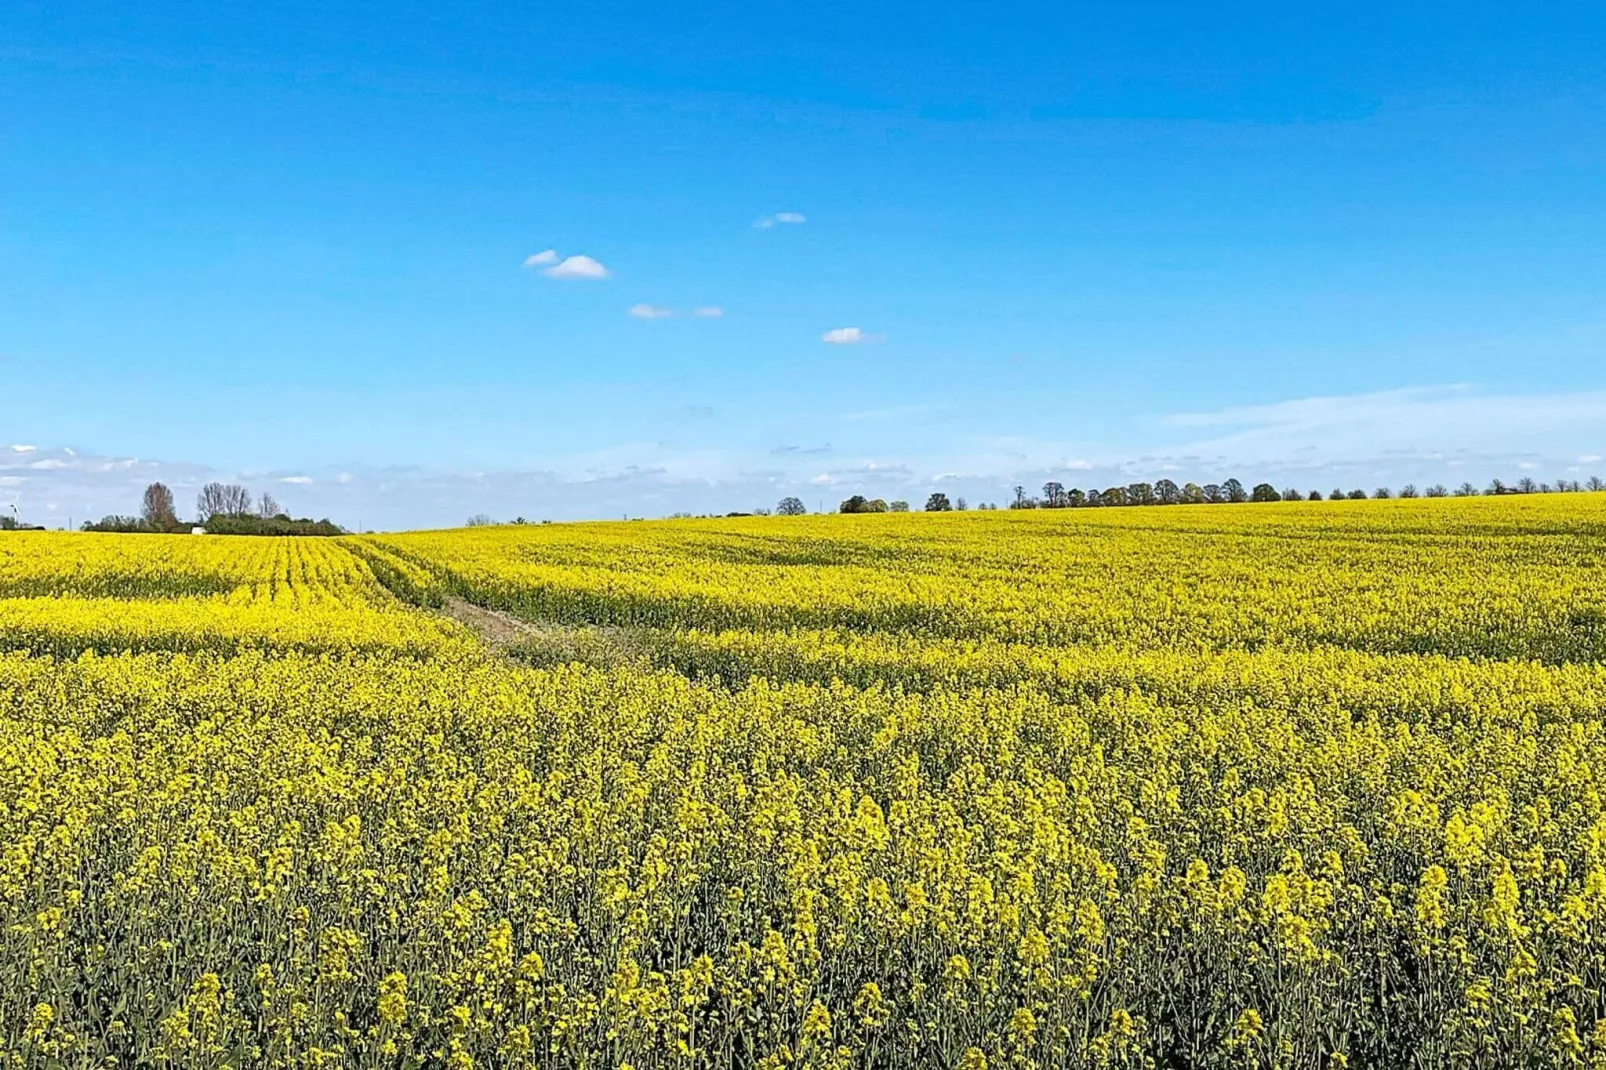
(344, 478)
(788, 218)
(578, 266)
(300, 480)
(708, 312)
(541, 259)
(847, 336)
(23, 449)
(649, 312)
(1589, 458)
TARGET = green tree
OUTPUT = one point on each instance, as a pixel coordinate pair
(157, 509)
(1265, 492)
(938, 503)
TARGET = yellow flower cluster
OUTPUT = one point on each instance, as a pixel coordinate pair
(1271, 786)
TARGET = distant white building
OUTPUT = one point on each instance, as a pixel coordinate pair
(197, 531)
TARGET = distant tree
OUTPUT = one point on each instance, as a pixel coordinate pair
(1075, 499)
(222, 499)
(938, 503)
(267, 508)
(1265, 492)
(876, 505)
(1314, 496)
(1115, 496)
(1596, 484)
(157, 509)
(1467, 490)
(1140, 494)
(1526, 485)
(1214, 494)
(856, 504)
(761, 510)
(1496, 486)
(1337, 495)
(1357, 495)
(1192, 494)
(1094, 499)
(791, 506)
(1020, 497)
(1166, 492)
(1053, 495)
(899, 506)
(1438, 490)
(479, 520)
(122, 525)
(960, 505)
(1408, 491)
(1382, 492)
(1234, 491)
(1292, 495)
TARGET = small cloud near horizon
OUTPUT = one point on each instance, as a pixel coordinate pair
(780, 218)
(645, 311)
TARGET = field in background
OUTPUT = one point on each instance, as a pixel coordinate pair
(1268, 785)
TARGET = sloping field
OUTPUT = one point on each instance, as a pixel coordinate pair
(1270, 785)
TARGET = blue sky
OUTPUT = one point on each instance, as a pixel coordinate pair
(286, 243)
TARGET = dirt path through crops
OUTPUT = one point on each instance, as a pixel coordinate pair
(497, 629)
(550, 643)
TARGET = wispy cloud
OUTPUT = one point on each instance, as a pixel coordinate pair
(708, 312)
(649, 312)
(23, 449)
(892, 412)
(1418, 421)
(541, 259)
(1422, 436)
(850, 336)
(779, 219)
(578, 266)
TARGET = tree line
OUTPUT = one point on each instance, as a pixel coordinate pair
(1167, 492)
(220, 508)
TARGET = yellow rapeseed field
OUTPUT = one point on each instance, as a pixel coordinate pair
(1278, 785)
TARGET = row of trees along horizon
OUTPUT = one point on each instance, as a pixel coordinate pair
(230, 509)
(220, 509)
(1166, 492)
